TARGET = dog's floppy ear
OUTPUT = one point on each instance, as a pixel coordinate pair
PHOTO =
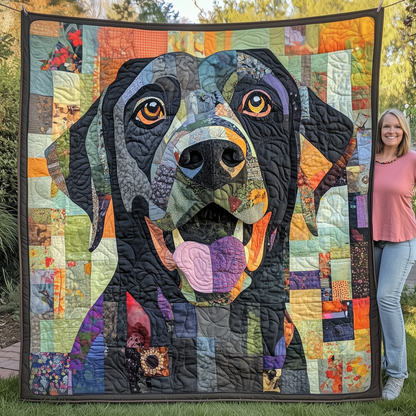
(77, 163)
(326, 145)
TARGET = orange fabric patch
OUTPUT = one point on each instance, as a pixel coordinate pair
(313, 163)
(289, 329)
(347, 34)
(324, 265)
(108, 71)
(36, 167)
(209, 43)
(340, 290)
(59, 293)
(87, 268)
(238, 287)
(158, 241)
(361, 308)
(315, 180)
(298, 228)
(234, 137)
(126, 43)
(334, 306)
(45, 28)
(228, 38)
(109, 227)
(343, 160)
(256, 244)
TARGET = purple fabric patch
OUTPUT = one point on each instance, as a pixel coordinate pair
(228, 262)
(164, 305)
(280, 89)
(91, 327)
(272, 238)
(273, 363)
(304, 280)
(276, 362)
(70, 383)
(362, 213)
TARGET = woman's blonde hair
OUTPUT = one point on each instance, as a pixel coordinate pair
(404, 145)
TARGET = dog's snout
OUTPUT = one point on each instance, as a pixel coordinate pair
(212, 163)
(232, 157)
(191, 159)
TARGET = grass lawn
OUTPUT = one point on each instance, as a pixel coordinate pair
(405, 405)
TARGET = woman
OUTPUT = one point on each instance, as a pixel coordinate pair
(394, 232)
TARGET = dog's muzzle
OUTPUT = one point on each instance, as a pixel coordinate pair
(210, 201)
(212, 163)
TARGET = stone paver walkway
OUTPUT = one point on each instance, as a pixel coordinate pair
(9, 361)
(9, 357)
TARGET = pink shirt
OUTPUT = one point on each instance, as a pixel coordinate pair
(393, 216)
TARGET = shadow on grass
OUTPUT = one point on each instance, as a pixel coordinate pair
(405, 405)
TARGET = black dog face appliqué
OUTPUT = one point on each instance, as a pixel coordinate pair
(203, 163)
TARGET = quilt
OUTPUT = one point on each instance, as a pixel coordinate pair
(194, 210)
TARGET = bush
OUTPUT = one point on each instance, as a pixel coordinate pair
(10, 298)
(9, 130)
(408, 299)
(9, 250)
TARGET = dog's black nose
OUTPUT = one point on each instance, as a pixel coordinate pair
(212, 163)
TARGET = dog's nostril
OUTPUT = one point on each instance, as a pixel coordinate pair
(191, 159)
(232, 157)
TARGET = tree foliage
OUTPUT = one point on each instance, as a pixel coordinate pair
(57, 7)
(405, 63)
(308, 8)
(145, 11)
(6, 43)
(245, 11)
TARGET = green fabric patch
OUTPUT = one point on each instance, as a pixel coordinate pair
(312, 35)
(77, 237)
(62, 149)
(66, 331)
(277, 40)
(97, 171)
(89, 48)
(87, 85)
(254, 337)
(41, 48)
(47, 336)
(258, 38)
(295, 66)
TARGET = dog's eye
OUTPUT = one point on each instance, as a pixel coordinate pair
(256, 104)
(150, 110)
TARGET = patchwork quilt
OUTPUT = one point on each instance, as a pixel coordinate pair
(194, 205)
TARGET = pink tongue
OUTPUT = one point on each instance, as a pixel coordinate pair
(214, 268)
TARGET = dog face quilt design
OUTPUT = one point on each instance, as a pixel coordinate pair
(197, 212)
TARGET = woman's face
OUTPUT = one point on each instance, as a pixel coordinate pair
(391, 131)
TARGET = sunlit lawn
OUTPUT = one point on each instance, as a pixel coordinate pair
(405, 405)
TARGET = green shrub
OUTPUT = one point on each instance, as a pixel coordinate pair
(10, 298)
(408, 299)
(9, 250)
(9, 130)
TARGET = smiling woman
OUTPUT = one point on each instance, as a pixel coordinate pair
(394, 232)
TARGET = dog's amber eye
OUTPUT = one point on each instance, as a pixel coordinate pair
(256, 104)
(150, 110)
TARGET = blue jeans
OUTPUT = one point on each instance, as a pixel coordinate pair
(393, 264)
